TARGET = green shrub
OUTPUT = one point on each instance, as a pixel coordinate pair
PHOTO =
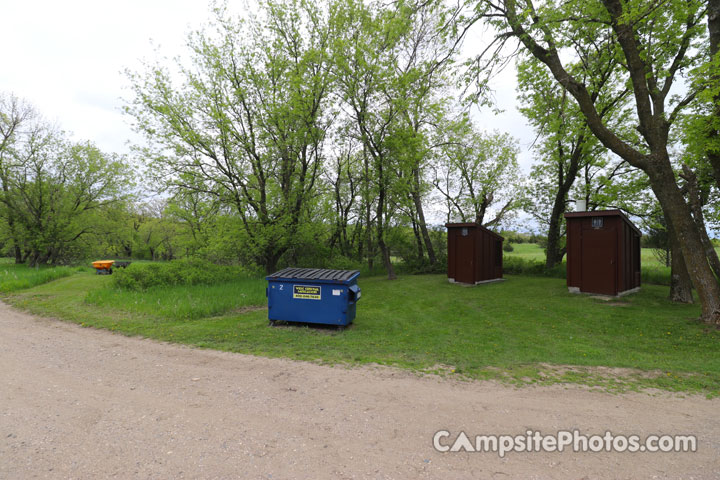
(507, 247)
(141, 276)
(339, 262)
(416, 266)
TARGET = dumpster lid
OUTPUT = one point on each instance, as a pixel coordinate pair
(315, 274)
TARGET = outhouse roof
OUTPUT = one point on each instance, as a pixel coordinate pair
(604, 213)
(473, 225)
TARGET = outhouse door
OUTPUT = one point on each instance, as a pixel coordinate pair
(464, 256)
(599, 262)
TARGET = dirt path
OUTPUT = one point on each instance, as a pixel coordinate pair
(82, 403)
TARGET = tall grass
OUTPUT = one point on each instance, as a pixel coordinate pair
(186, 302)
(180, 290)
(18, 277)
(656, 275)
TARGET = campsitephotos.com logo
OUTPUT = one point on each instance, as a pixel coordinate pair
(534, 441)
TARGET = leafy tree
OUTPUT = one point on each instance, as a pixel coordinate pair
(704, 126)
(655, 42)
(55, 193)
(19, 121)
(248, 123)
(567, 149)
(424, 70)
(195, 213)
(344, 179)
(477, 174)
(62, 190)
(365, 54)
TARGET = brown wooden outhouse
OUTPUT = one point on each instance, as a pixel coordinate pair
(603, 253)
(474, 253)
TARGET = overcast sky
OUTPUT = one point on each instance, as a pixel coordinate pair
(67, 58)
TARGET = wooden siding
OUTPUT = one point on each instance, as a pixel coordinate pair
(606, 259)
(476, 257)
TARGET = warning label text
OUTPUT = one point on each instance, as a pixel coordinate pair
(306, 292)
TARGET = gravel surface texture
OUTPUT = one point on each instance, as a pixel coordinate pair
(83, 403)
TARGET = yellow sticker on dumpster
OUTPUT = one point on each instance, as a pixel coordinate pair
(306, 292)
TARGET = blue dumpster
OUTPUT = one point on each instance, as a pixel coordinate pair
(312, 295)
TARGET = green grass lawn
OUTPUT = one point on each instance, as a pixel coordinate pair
(523, 330)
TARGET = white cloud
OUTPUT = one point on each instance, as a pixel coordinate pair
(67, 58)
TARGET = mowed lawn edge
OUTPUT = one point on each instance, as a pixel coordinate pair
(525, 330)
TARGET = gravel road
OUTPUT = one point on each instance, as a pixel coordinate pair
(83, 403)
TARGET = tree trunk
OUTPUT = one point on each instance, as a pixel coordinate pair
(33, 259)
(714, 26)
(418, 240)
(54, 256)
(368, 209)
(379, 219)
(680, 283)
(696, 208)
(714, 37)
(370, 250)
(417, 200)
(344, 242)
(715, 160)
(359, 237)
(271, 263)
(386, 259)
(680, 221)
(13, 235)
(384, 250)
(554, 254)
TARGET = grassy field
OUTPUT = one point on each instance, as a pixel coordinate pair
(523, 330)
(528, 251)
(652, 270)
(533, 251)
(17, 277)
